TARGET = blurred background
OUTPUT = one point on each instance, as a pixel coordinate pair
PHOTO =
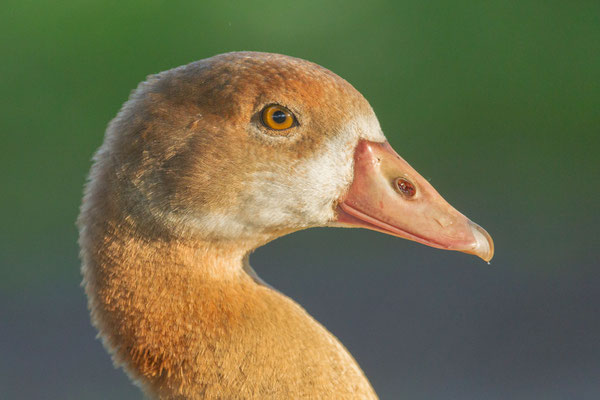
(496, 102)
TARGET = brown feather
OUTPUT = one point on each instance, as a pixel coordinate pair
(173, 304)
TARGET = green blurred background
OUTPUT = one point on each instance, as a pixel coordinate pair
(497, 102)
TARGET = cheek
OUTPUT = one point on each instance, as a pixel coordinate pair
(328, 175)
(283, 193)
(304, 194)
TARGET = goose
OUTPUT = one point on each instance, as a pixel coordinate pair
(203, 164)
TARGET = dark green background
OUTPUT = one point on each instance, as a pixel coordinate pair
(497, 102)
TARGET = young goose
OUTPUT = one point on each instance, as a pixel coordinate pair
(207, 162)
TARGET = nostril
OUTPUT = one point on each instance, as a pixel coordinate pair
(405, 187)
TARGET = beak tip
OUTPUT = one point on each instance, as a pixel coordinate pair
(484, 245)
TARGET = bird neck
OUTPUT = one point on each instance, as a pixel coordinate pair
(186, 321)
(153, 300)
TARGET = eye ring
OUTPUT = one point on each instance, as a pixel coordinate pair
(277, 117)
(405, 187)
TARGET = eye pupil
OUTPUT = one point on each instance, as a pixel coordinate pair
(279, 117)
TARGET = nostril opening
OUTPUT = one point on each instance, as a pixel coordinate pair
(405, 187)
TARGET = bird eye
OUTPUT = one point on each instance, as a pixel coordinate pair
(405, 187)
(277, 117)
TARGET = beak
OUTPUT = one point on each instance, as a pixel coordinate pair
(389, 196)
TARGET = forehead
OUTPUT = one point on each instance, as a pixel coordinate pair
(236, 83)
(214, 105)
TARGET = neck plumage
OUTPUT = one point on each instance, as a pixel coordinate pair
(186, 321)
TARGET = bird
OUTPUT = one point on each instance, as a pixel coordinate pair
(203, 164)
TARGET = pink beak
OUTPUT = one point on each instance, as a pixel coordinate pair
(389, 196)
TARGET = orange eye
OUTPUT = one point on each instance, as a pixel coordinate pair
(277, 117)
